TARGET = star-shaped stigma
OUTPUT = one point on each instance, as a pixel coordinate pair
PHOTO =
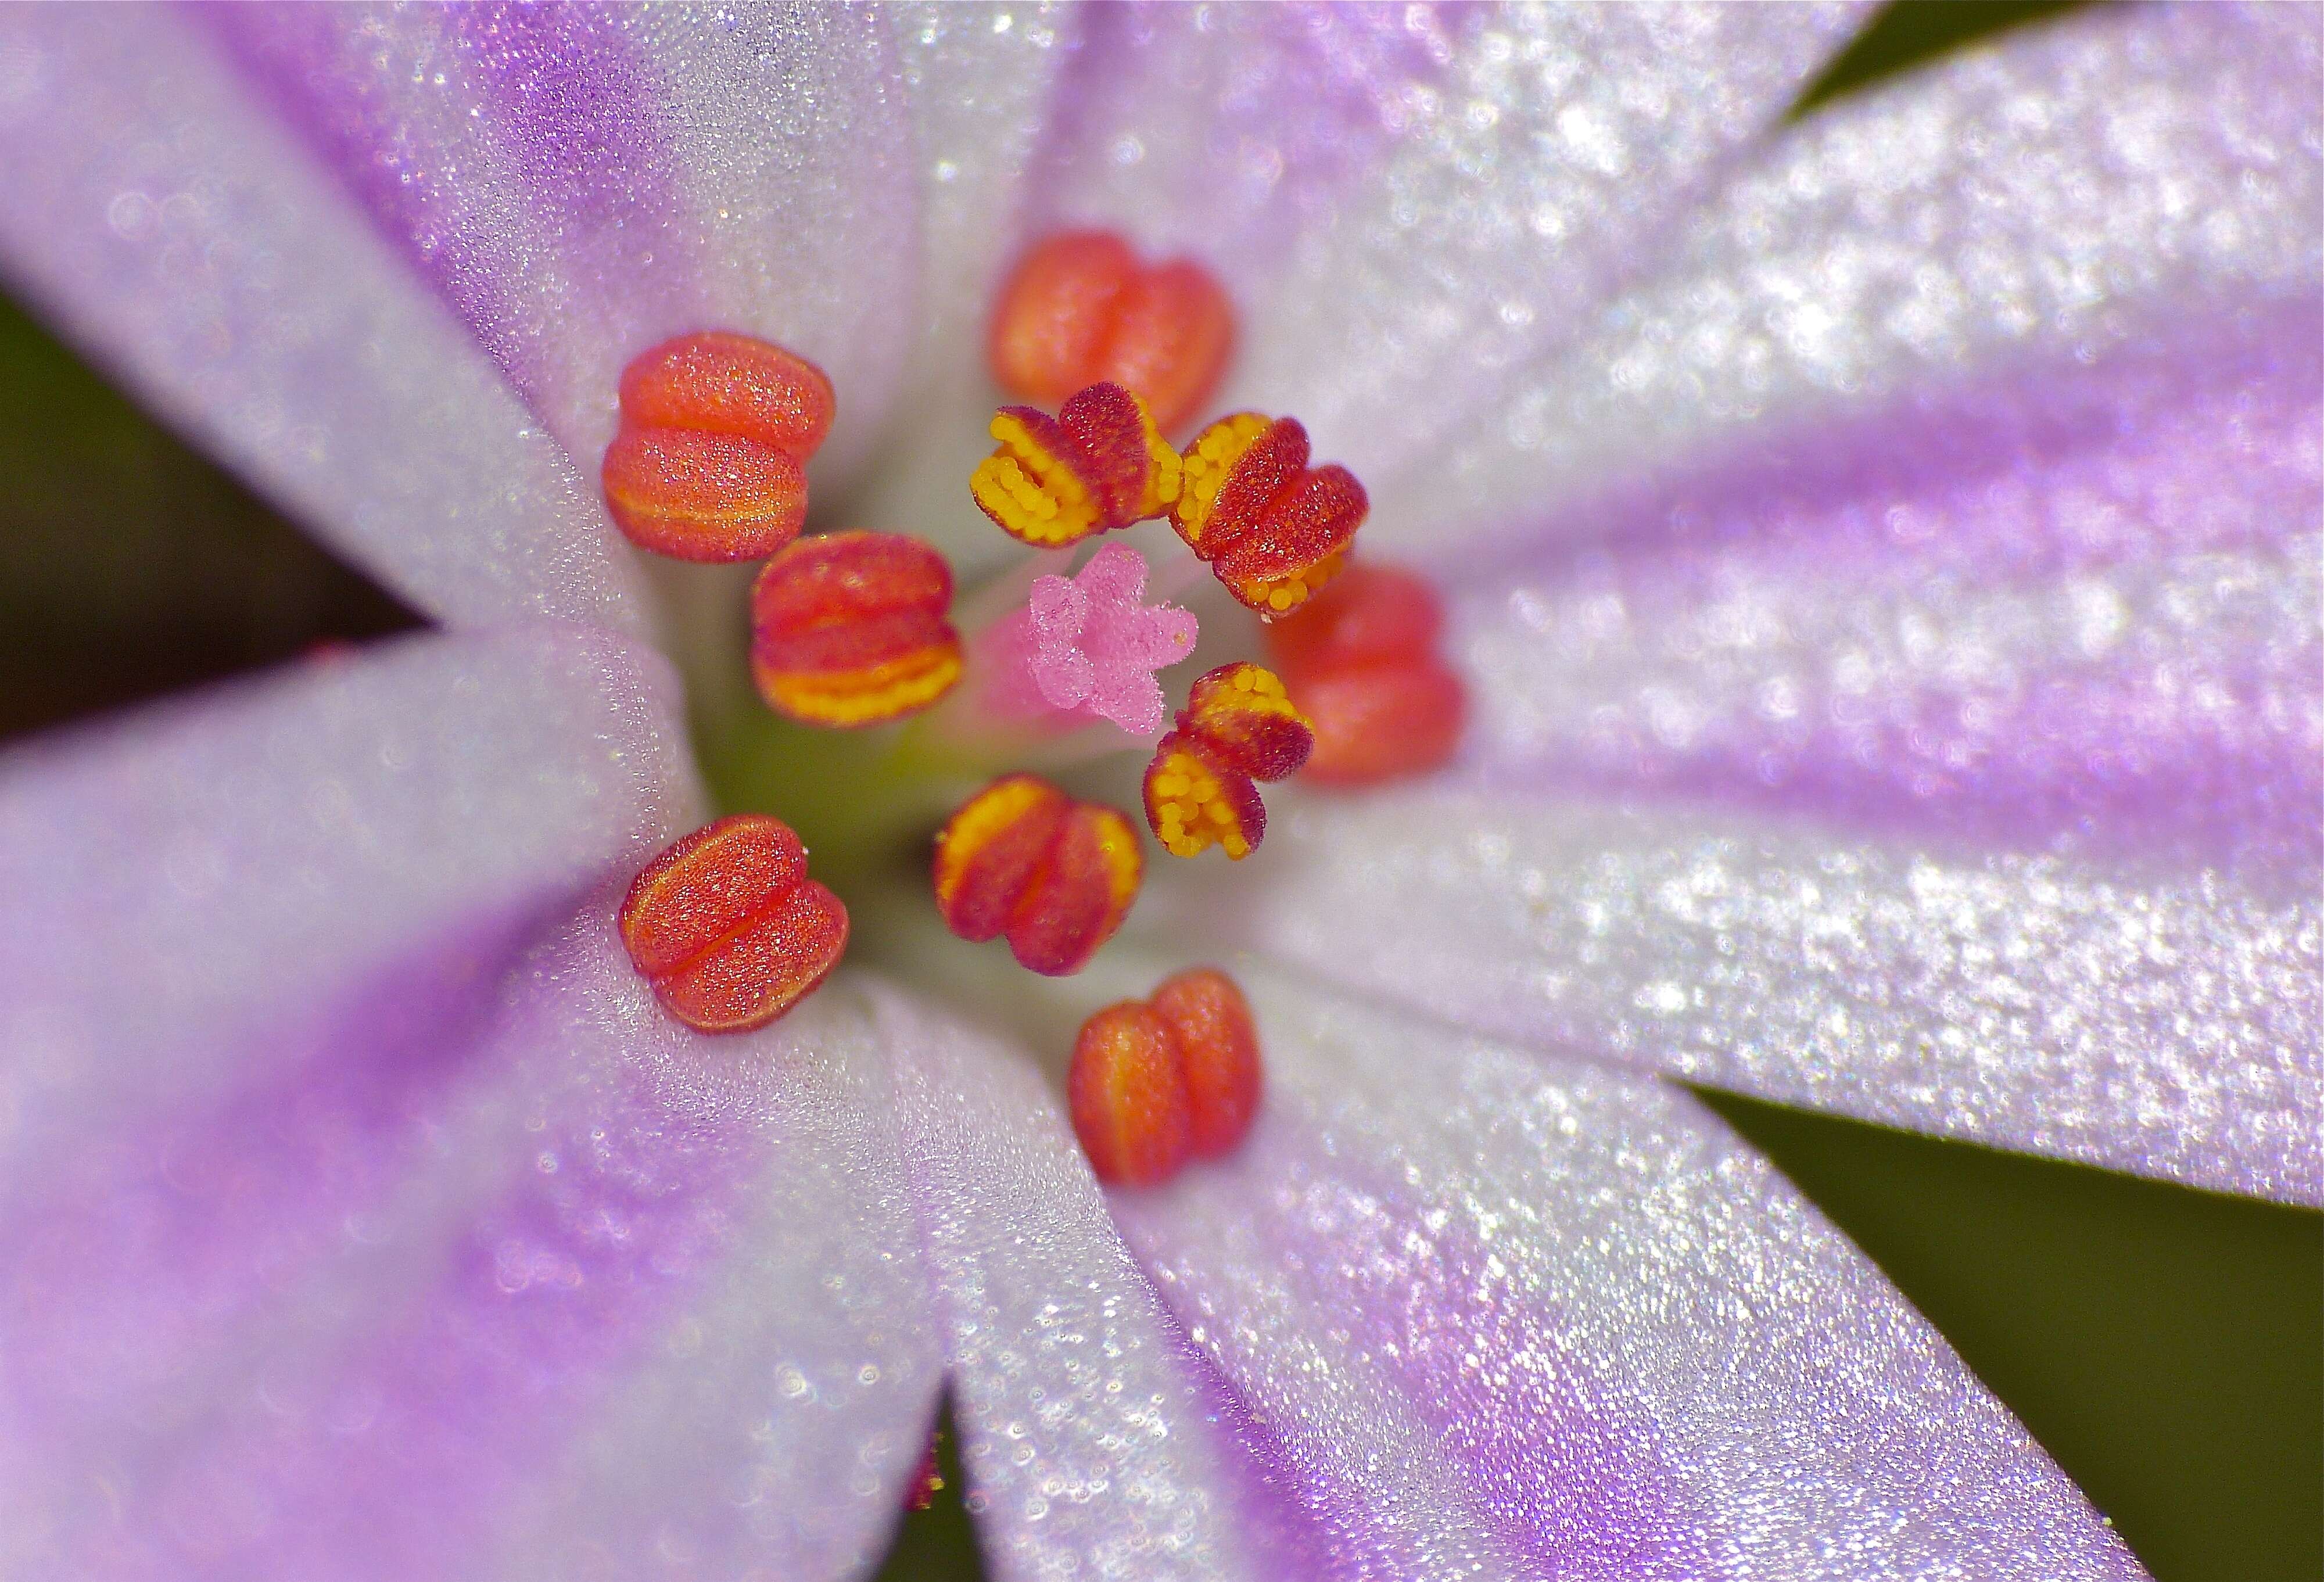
(1093, 646)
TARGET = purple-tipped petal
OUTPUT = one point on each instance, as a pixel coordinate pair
(2112, 187)
(1096, 1439)
(2146, 1018)
(197, 891)
(181, 236)
(1544, 162)
(2105, 641)
(599, 1296)
(580, 183)
(1542, 1318)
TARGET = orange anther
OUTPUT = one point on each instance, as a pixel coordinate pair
(1152, 1085)
(709, 463)
(1364, 659)
(1126, 1090)
(1098, 463)
(850, 628)
(1273, 528)
(1239, 726)
(1023, 859)
(728, 928)
(1219, 1045)
(1080, 309)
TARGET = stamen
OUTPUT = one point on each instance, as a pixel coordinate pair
(1023, 859)
(1272, 528)
(850, 628)
(1126, 1090)
(1151, 1086)
(728, 928)
(1080, 309)
(1363, 660)
(1239, 726)
(1098, 463)
(1221, 1045)
(709, 463)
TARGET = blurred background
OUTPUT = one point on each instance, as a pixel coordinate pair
(2166, 1346)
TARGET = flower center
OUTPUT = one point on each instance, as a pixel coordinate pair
(978, 758)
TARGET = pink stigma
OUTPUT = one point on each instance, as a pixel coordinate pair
(1090, 647)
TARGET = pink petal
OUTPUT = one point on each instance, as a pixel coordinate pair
(1095, 1437)
(579, 184)
(1537, 1317)
(2101, 638)
(1544, 161)
(181, 236)
(2104, 188)
(2159, 1020)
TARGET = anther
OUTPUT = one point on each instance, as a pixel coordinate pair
(1239, 726)
(1272, 528)
(1098, 463)
(1153, 1085)
(851, 629)
(728, 928)
(1080, 309)
(1022, 859)
(1363, 660)
(709, 463)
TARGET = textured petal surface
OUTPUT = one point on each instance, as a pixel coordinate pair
(184, 237)
(2102, 189)
(1097, 1440)
(579, 184)
(1542, 1318)
(2161, 1021)
(2097, 641)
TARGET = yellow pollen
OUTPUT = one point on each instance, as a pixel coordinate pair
(1207, 462)
(1034, 494)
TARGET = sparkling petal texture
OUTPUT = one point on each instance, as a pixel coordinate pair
(1546, 1318)
(580, 185)
(1096, 1439)
(185, 238)
(2101, 190)
(2164, 1022)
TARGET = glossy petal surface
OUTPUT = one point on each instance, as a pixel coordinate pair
(188, 240)
(1538, 1318)
(2158, 1020)
(2103, 190)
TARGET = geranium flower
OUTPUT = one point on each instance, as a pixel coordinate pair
(1881, 554)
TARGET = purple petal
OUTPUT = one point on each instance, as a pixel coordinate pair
(579, 183)
(1544, 1319)
(2161, 1021)
(1096, 1439)
(180, 235)
(2110, 640)
(1533, 168)
(2105, 188)
(195, 890)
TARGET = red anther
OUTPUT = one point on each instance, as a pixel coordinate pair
(1273, 530)
(1126, 1090)
(1080, 307)
(850, 628)
(709, 463)
(1023, 859)
(1098, 463)
(928, 1478)
(1153, 1085)
(1239, 726)
(1364, 659)
(728, 928)
(1220, 1045)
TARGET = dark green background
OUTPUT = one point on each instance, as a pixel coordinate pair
(2164, 1345)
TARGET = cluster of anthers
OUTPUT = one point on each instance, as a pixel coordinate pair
(853, 629)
